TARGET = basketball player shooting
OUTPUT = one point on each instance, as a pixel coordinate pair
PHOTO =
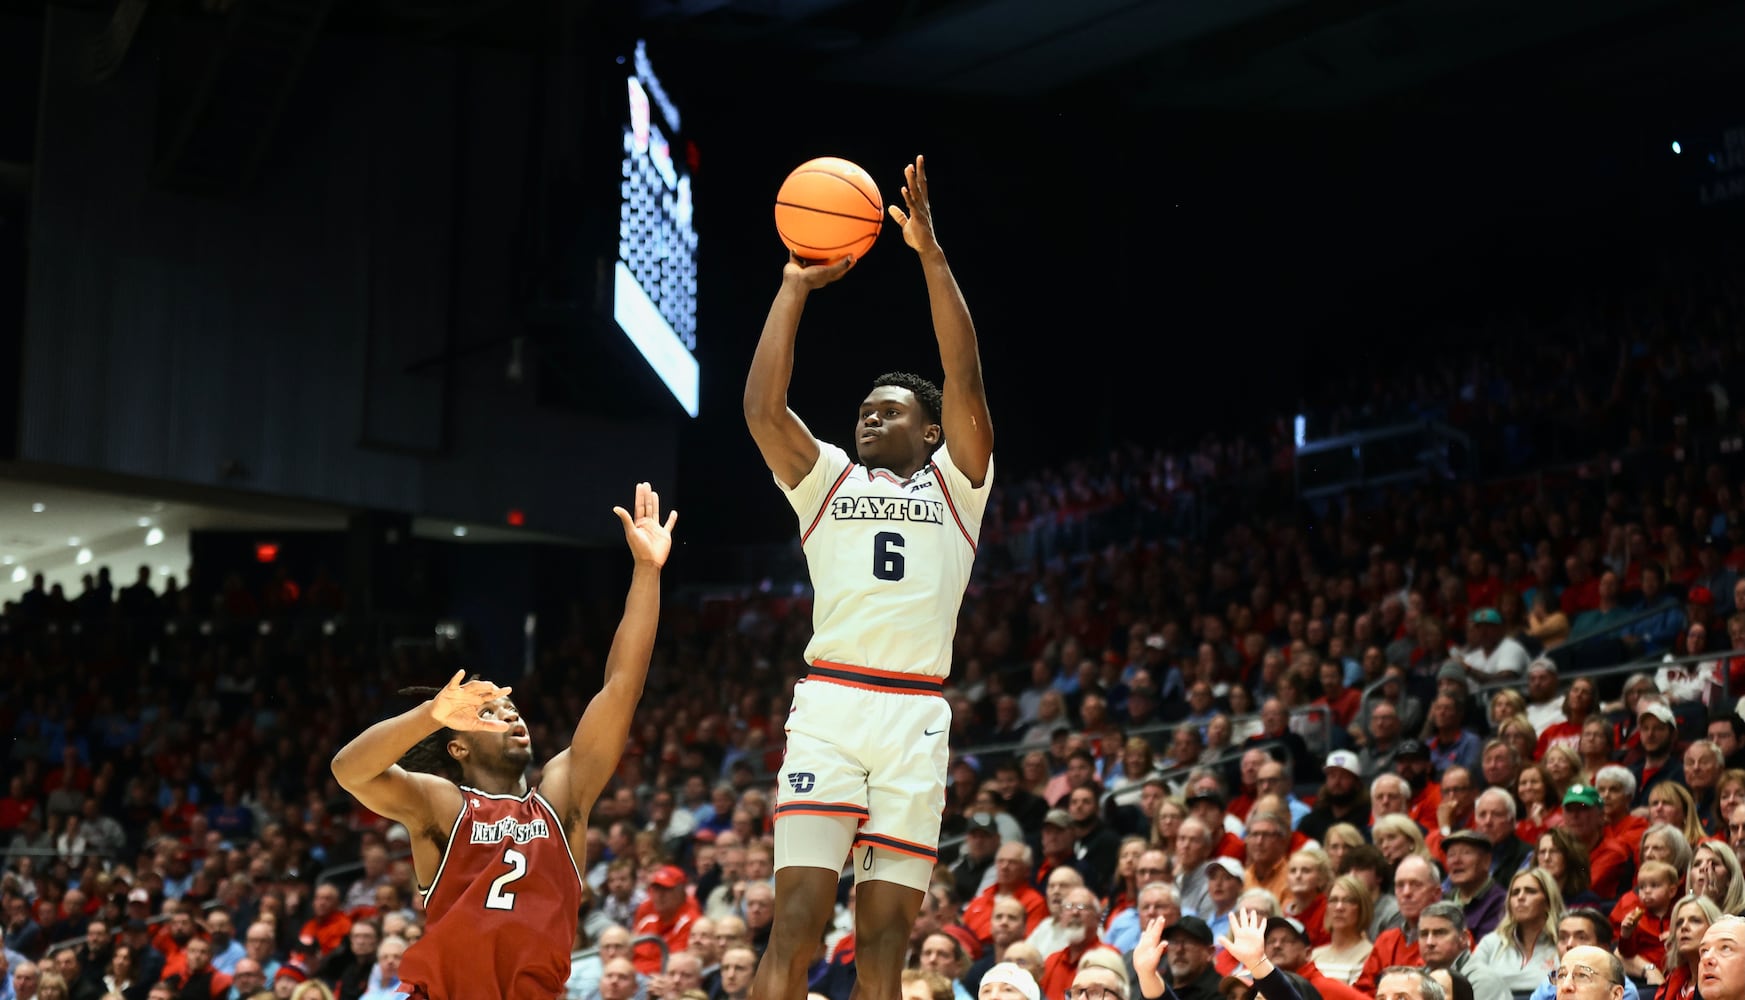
(498, 865)
(890, 539)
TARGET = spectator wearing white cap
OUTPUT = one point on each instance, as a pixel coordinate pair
(1224, 884)
(1656, 756)
(1341, 799)
(1006, 981)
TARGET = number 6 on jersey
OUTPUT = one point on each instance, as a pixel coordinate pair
(888, 555)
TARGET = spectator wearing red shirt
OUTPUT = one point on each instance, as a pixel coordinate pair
(17, 805)
(1080, 911)
(330, 926)
(1012, 864)
(669, 912)
(1341, 701)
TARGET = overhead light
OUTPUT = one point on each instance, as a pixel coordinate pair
(37, 508)
(154, 536)
(1676, 148)
(145, 522)
(83, 557)
(73, 542)
(19, 575)
(460, 531)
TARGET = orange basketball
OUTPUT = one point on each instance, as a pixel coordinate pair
(829, 208)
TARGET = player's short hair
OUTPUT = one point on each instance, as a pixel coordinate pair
(926, 393)
(1428, 988)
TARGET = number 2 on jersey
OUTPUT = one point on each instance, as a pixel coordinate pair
(497, 898)
(888, 555)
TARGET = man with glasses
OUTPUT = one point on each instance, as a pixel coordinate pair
(1080, 918)
(1275, 779)
(258, 943)
(1269, 844)
(1589, 973)
(245, 981)
(1190, 951)
(1721, 960)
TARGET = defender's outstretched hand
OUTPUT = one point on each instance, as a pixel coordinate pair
(814, 276)
(649, 540)
(917, 221)
(1148, 953)
(457, 705)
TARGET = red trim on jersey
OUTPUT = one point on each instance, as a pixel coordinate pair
(939, 477)
(890, 843)
(826, 504)
(807, 808)
(868, 679)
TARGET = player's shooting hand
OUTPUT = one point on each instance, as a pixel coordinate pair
(457, 705)
(649, 540)
(812, 275)
(917, 218)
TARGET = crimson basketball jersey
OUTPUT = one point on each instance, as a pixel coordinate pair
(500, 916)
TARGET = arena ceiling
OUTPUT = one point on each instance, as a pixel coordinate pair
(1228, 55)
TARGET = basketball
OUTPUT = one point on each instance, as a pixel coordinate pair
(829, 208)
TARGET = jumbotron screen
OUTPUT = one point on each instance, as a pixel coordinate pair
(654, 286)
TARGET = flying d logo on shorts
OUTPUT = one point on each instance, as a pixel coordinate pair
(801, 781)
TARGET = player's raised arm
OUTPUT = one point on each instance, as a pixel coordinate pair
(788, 447)
(574, 778)
(368, 767)
(969, 430)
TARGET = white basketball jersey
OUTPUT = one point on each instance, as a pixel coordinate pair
(890, 559)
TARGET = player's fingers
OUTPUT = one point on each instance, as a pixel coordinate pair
(672, 518)
(457, 679)
(624, 516)
(653, 508)
(898, 216)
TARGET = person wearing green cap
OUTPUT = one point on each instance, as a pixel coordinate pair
(1585, 820)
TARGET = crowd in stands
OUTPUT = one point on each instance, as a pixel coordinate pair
(1384, 721)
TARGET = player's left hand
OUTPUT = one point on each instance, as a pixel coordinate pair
(650, 541)
(1246, 941)
(917, 221)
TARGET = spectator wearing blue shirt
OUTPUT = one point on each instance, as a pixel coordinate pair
(1450, 743)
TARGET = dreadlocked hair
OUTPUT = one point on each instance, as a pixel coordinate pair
(430, 754)
(926, 393)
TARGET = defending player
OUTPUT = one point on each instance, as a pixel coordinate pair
(889, 540)
(498, 864)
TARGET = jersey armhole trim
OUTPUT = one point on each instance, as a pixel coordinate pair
(557, 824)
(826, 504)
(453, 832)
(939, 477)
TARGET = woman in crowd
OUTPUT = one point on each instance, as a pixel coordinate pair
(1579, 703)
(1123, 889)
(1563, 767)
(1339, 839)
(1714, 872)
(1538, 808)
(1596, 748)
(1523, 948)
(1506, 703)
(1703, 764)
(1729, 795)
(1665, 843)
(1520, 734)
(1396, 836)
(1170, 813)
(1691, 918)
(1137, 763)
(1670, 802)
(1565, 858)
(1309, 873)
(1350, 909)
(1221, 736)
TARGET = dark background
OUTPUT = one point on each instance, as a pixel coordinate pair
(302, 266)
